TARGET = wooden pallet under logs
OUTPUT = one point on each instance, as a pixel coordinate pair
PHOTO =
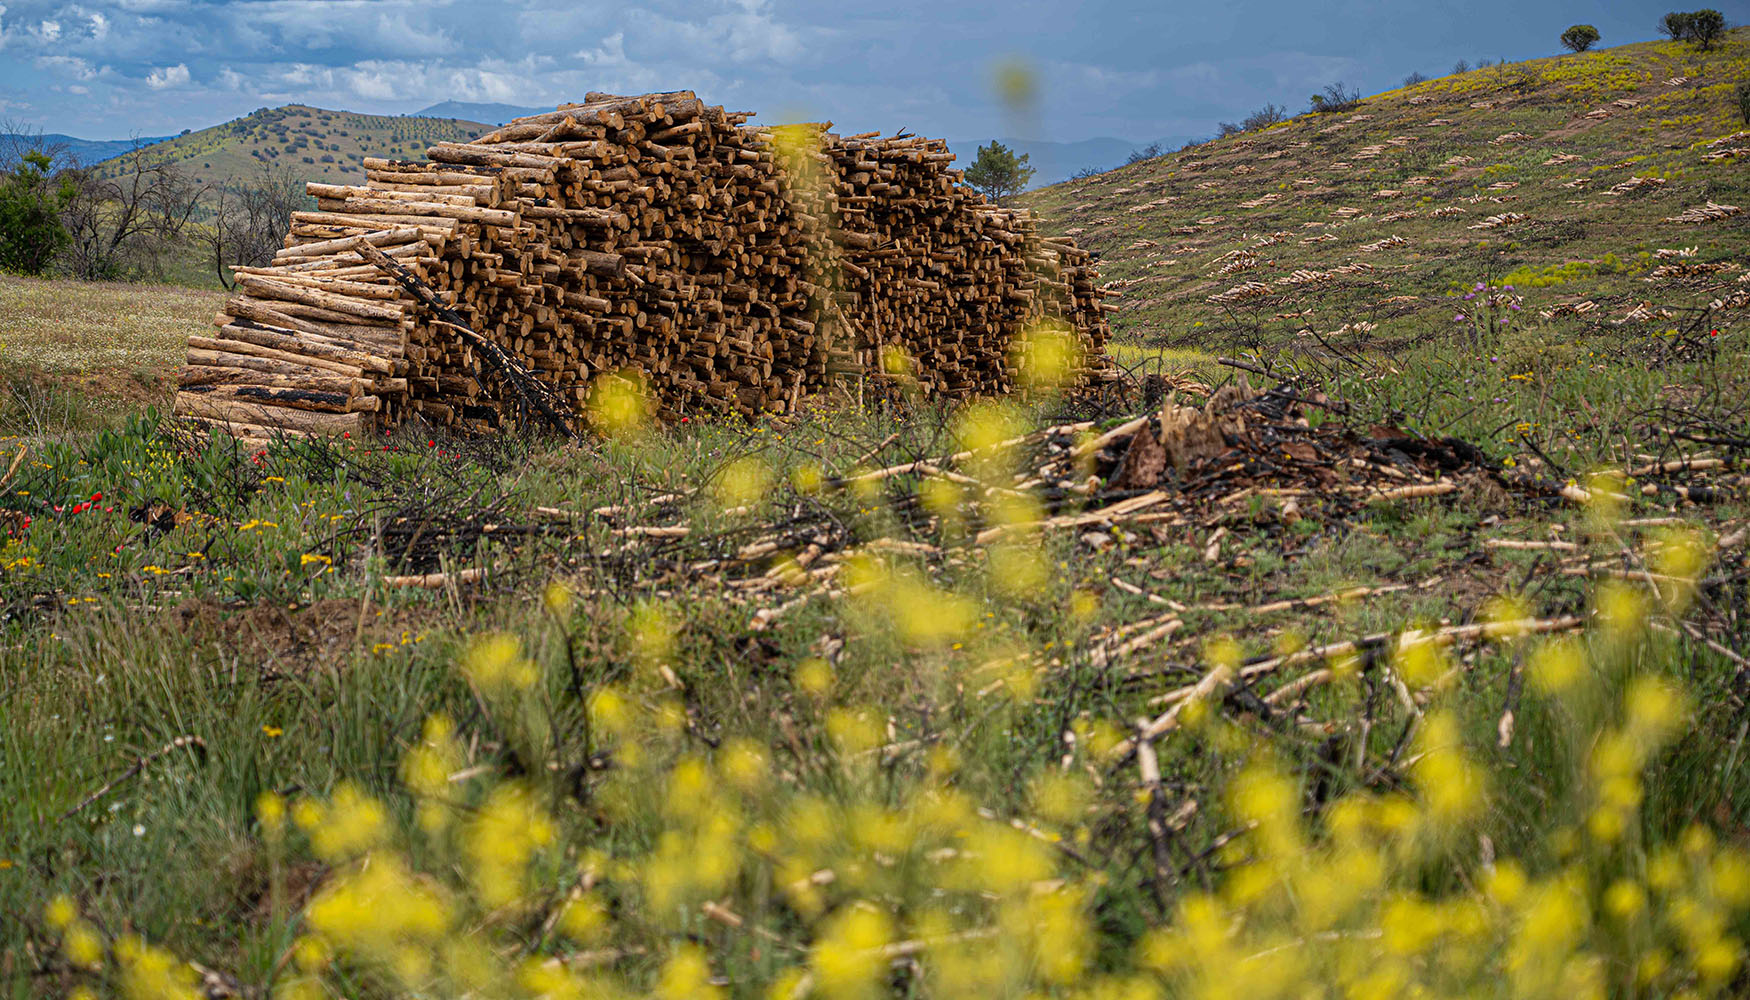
(737, 268)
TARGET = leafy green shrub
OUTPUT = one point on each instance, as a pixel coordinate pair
(1706, 26)
(1580, 37)
(998, 173)
(1742, 94)
(31, 232)
(1703, 27)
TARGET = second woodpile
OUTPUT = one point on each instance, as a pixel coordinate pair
(731, 268)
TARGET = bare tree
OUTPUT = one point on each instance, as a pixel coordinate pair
(18, 138)
(251, 219)
(1336, 98)
(121, 219)
(1264, 117)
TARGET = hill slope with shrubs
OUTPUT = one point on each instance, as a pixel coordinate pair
(313, 143)
(1583, 178)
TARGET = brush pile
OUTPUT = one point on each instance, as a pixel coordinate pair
(733, 268)
(1243, 456)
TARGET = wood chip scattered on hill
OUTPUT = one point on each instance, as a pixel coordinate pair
(1497, 221)
(1710, 212)
(1636, 184)
(1568, 309)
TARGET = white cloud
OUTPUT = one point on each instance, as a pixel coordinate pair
(746, 31)
(168, 76)
(50, 30)
(1104, 79)
(72, 66)
(612, 69)
(611, 53)
(395, 34)
(99, 27)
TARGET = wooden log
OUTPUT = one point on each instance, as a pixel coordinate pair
(486, 156)
(247, 434)
(313, 400)
(381, 238)
(197, 404)
(293, 348)
(605, 265)
(414, 172)
(212, 375)
(298, 316)
(267, 286)
(268, 361)
(385, 206)
(362, 223)
(323, 282)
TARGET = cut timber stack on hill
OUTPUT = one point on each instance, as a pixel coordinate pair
(736, 268)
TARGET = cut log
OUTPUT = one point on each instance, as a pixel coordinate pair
(197, 404)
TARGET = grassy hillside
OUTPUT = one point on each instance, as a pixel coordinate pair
(314, 143)
(1583, 160)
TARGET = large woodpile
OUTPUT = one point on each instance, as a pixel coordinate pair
(735, 268)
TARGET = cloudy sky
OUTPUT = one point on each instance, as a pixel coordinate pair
(1136, 70)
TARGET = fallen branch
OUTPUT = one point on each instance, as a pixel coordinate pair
(17, 460)
(137, 767)
(1221, 677)
(532, 391)
(436, 581)
(1412, 492)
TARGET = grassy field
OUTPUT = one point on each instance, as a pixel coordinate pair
(77, 352)
(913, 702)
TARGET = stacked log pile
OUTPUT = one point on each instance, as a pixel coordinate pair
(733, 267)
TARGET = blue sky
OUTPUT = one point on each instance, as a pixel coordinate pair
(116, 68)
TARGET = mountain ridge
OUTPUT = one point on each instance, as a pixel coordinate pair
(79, 152)
(313, 143)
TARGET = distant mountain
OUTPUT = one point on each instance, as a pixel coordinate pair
(1059, 161)
(492, 114)
(312, 143)
(81, 152)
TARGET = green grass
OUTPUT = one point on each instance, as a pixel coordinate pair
(259, 622)
(677, 725)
